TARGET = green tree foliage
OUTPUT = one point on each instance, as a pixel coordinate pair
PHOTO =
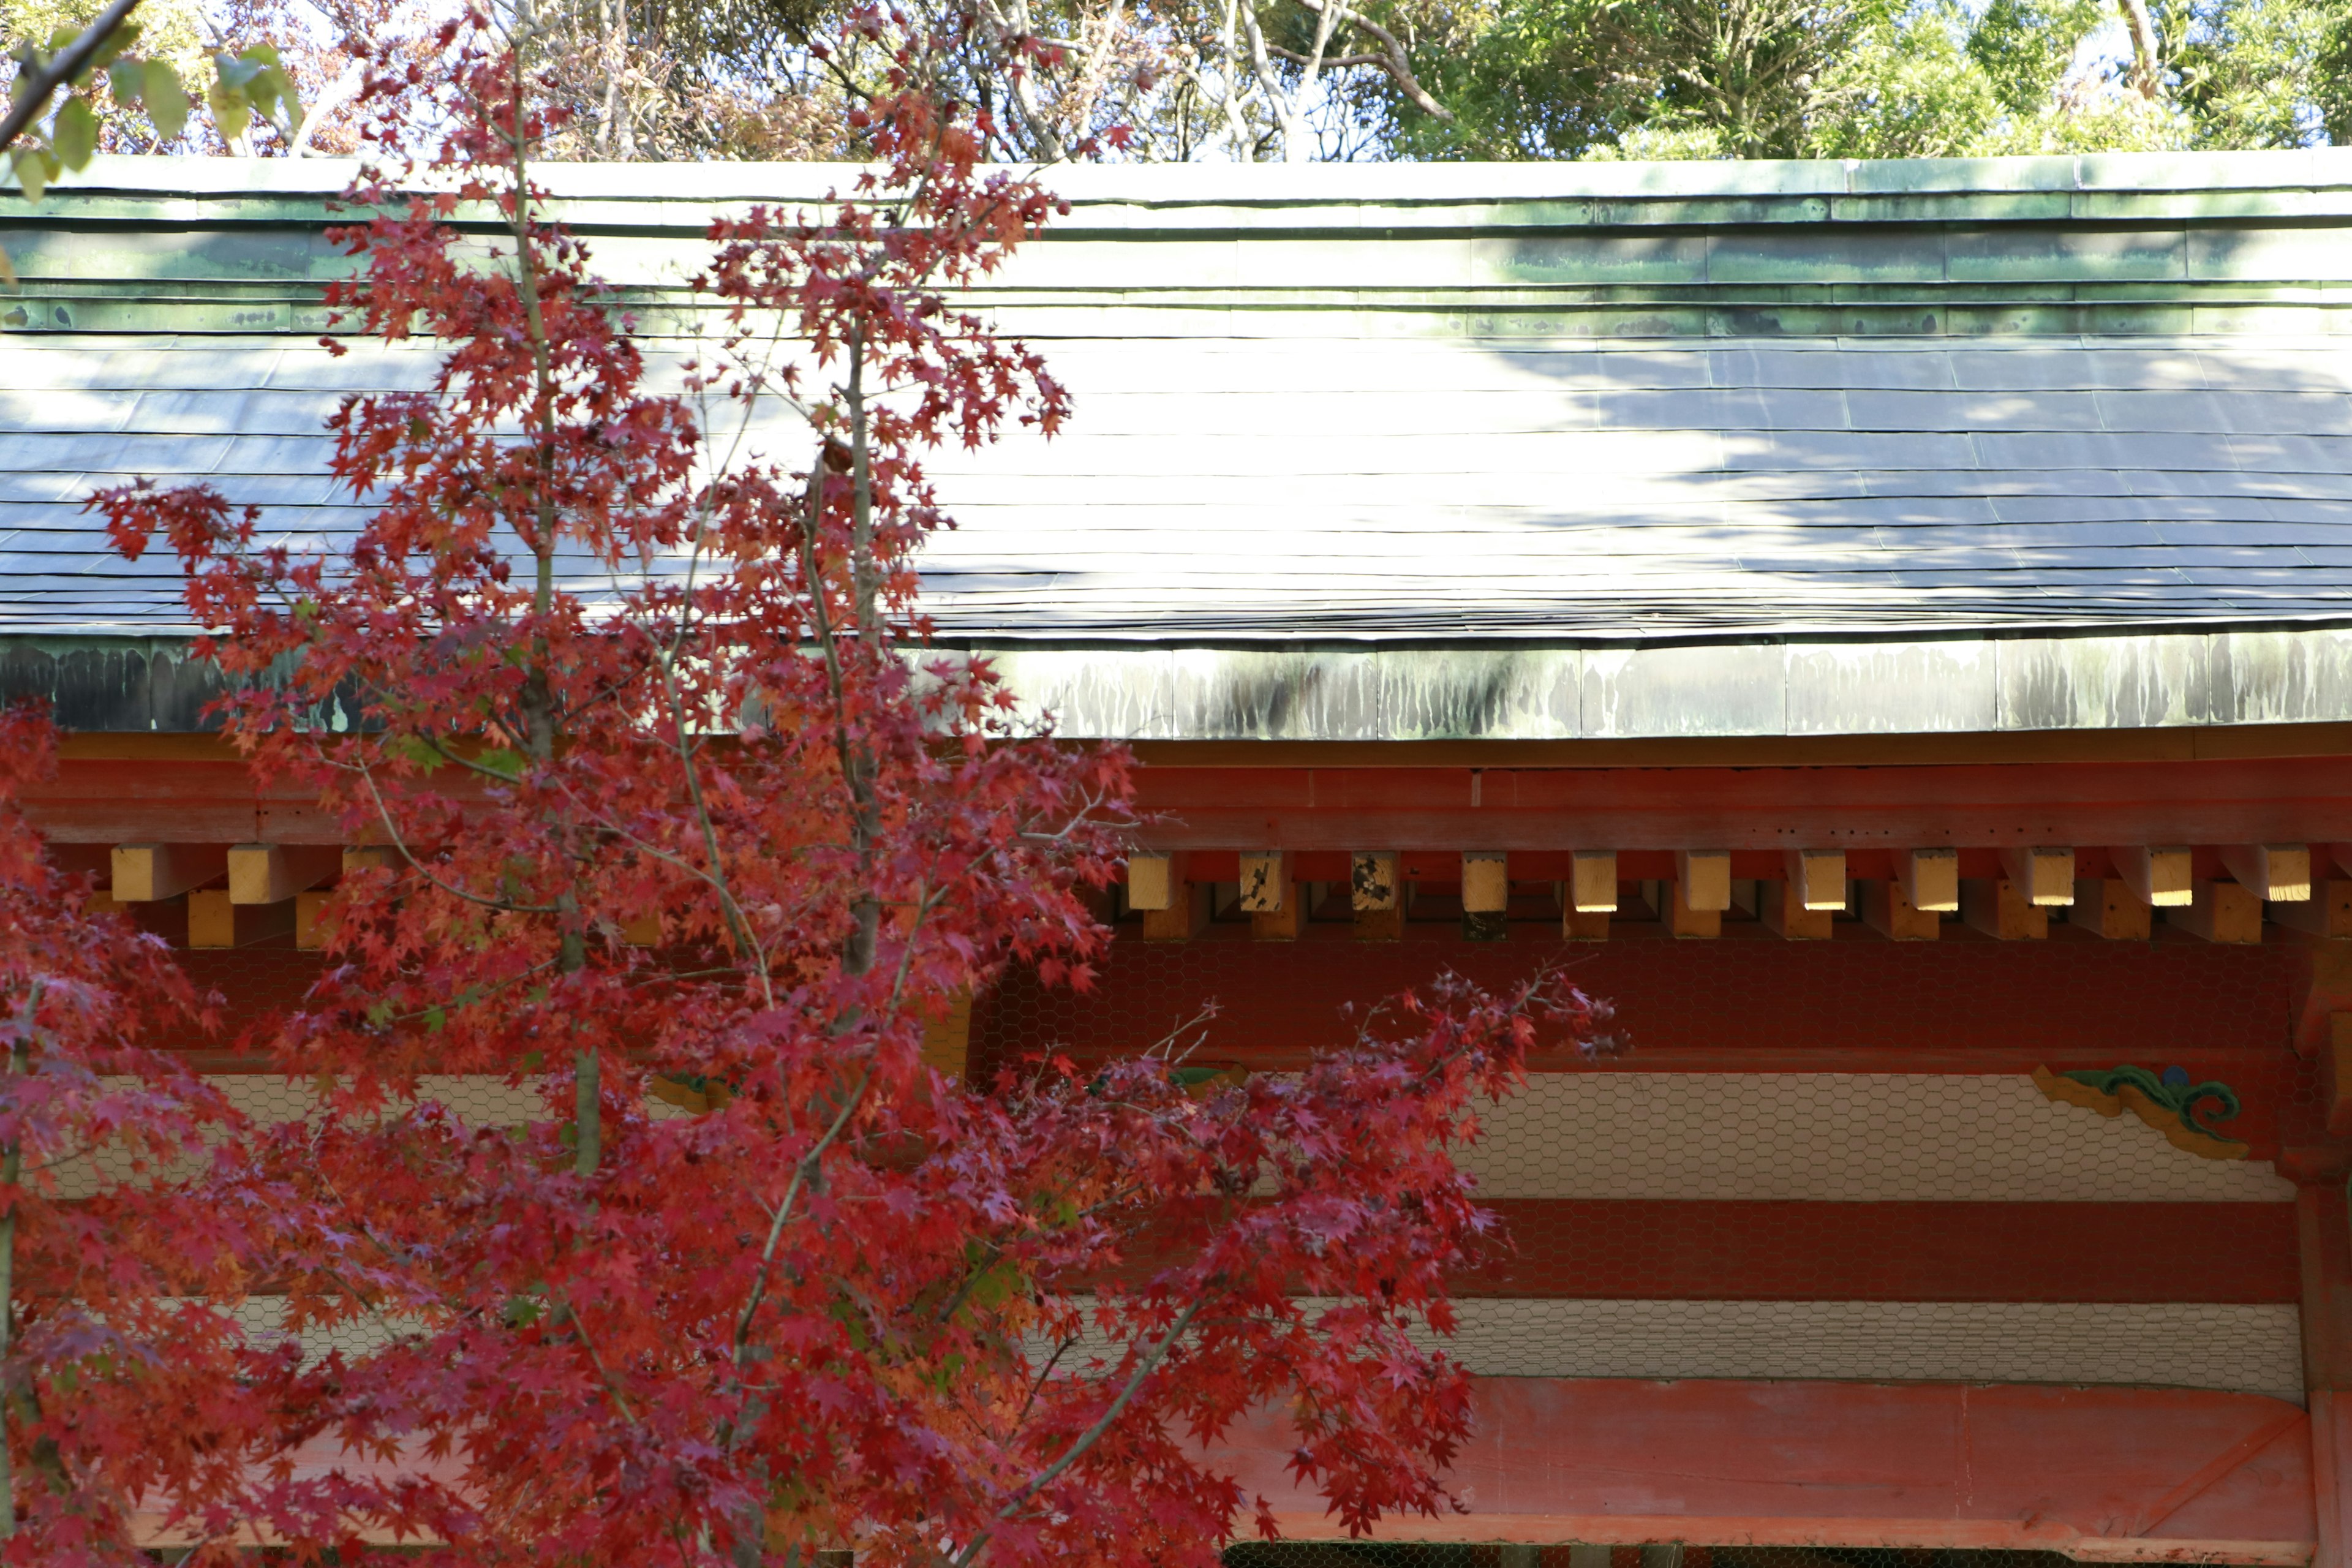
(1871, 78)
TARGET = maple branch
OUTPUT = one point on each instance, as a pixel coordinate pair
(800, 1169)
(1044, 1373)
(1092, 1435)
(31, 95)
(652, 850)
(383, 814)
(728, 903)
(578, 1326)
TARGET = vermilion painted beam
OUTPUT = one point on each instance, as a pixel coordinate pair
(2265, 800)
(2291, 799)
(1699, 1250)
(1631, 1249)
(1963, 1004)
(2104, 1474)
(114, 800)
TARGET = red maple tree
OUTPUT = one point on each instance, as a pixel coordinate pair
(632, 689)
(125, 1372)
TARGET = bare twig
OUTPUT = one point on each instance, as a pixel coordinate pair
(32, 97)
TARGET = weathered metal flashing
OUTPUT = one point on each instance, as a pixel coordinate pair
(1991, 685)
(2133, 244)
(135, 685)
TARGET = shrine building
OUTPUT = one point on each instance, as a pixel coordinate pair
(1887, 627)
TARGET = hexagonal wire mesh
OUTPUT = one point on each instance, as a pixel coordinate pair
(1672, 1554)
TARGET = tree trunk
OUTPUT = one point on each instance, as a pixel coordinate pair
(2145, 54)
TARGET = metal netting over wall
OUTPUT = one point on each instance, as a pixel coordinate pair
(1675, 1554)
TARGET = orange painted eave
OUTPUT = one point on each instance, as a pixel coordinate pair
(2125, 1475)
(2103, 1475)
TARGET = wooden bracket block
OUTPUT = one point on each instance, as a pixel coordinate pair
(1818, 878)
(1997, 907)
(646, 930)
(309, 934)
(1152, 882)
(271, 873)
(144, 873)
(2105, 906)
(1593, 882)
(2221, 912)
(1685, 921)
(1582, 925)
(2159, 877)
(1887, 909)
(2277, 873)
(1486, 882)
(1705, 878)
(1377, 895)
(947, 1038)
(2327, 913)
(1930, 880)
(2044, 875)
(214, 919)
(1782, 910)
(368, 856)
(1264, 882)
(165, 918)
(1374, 883)
(1282, 922)
(1187, 918)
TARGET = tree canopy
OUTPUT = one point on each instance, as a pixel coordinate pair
(1177, 79)
(1501, 79)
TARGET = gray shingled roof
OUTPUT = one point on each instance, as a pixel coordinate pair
(1274, 486)
(1562, 405)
